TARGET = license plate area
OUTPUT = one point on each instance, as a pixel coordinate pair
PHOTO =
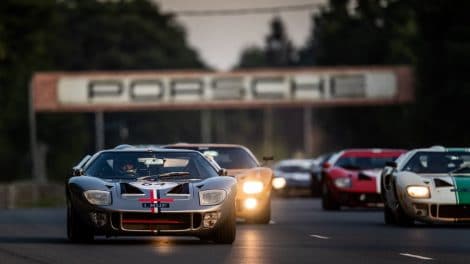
(155, 205)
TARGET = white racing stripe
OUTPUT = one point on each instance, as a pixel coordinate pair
(415, 256)
(319, 237)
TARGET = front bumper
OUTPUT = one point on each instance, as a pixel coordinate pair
(127, 223)
(355, 197)
(439, 213)
(364, 199)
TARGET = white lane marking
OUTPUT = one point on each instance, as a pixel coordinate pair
(272, 222)
(415, 256)
(320, 237)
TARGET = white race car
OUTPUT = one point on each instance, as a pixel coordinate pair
(427, 185)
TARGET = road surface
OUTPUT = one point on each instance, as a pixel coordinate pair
(300, 232)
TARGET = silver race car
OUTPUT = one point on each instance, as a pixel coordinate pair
(427, 185)
(131, 191)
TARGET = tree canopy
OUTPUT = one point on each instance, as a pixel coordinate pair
(51, 35)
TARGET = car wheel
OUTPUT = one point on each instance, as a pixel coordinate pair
(389, 218)
(328, 203)
(402, 219)
(225, 233)
(77, 231)
(264, 215)
(315, 189)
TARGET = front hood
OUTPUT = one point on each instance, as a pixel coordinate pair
(296, 176)
(372, 173)
(259, 173)
(445, 188)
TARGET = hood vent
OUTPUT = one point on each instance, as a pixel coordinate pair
(126, 188)
(442, 183)
(363, 177)
(180, 189)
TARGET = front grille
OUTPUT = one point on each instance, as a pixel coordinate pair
(433, 210)
(160, 221)
(454, 211)
(360, 198)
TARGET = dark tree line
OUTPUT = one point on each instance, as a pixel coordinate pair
(63, 35)
(432, 36)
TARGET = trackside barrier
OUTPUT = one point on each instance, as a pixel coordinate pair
(27, 194)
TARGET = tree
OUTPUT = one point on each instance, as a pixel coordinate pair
(277, 52)
(373, 32)
(74, 35)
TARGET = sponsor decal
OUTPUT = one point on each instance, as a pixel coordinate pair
(462, 189)
(155, 202)
(200, 88)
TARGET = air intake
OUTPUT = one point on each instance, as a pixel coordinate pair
(442, 183)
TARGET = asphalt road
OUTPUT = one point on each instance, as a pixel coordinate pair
(300, 232)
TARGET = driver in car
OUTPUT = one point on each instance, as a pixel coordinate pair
(127, 168)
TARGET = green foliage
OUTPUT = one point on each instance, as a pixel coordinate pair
(277, 52)
(51, 35)
(431, 35)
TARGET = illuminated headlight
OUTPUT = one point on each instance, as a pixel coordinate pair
(97, 197)
(279, 183)
(418, 191)
(252, 187)
(250, 203)
(212, 197)
(343, 182)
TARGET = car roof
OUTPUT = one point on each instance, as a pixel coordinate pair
(295, 162)
(149, 148)
(208, 145)
(371, 151)
(442, 149)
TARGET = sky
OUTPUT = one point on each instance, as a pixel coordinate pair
(220, 39)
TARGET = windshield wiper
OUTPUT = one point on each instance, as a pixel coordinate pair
(174, 173)
(464, 166)
(168, 174)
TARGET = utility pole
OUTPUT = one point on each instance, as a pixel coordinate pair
(206, 135)
(38, 172)
(99, 130)
(308, 140)
(268, 131)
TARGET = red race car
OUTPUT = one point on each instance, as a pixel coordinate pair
(352, 177)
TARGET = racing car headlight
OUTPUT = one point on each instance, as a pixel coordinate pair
(343, 182)
(97, 197)
(252, 187)
(212, 197)
(279, 183)
(418, 191)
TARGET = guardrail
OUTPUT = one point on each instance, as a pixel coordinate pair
(28, 194)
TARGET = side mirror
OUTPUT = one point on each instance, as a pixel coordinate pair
(392, 164)
(326, 165)
(77, 172)
(268, 158)
(222, 172)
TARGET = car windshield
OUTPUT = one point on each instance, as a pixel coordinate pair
(292, 168)
(227, 157)
(130, 165)
(363, 163)
(439, 162)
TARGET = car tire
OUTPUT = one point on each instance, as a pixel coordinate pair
(264, 215)
(328, 202)
(315, 189)
(77, 231)
(226, 232)
(402, 219)
(389, 218)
